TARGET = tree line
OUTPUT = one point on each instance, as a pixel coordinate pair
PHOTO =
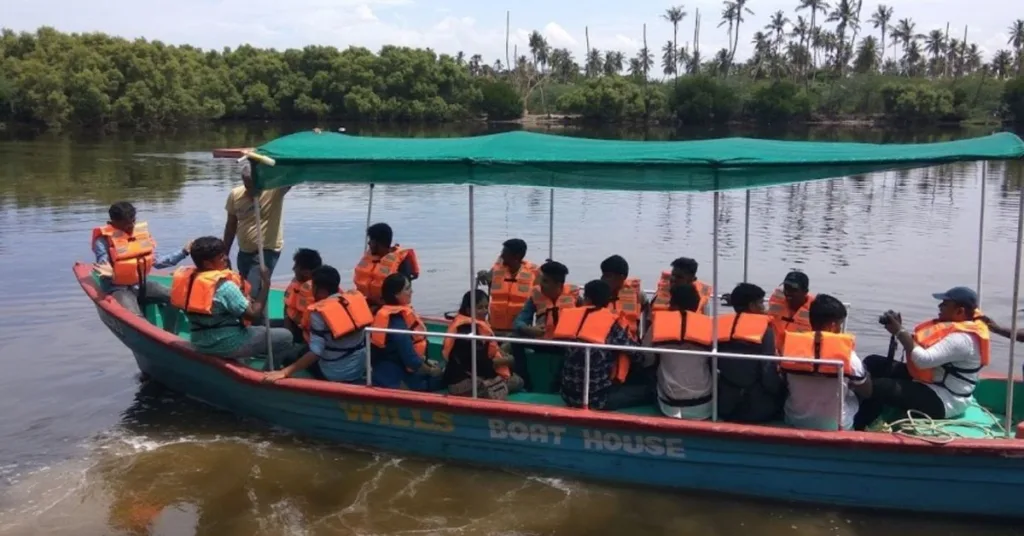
(801, 69)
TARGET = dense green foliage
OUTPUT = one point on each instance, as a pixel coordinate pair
(55, 79)
(1013, 99)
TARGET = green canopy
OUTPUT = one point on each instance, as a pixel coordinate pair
(531, 159)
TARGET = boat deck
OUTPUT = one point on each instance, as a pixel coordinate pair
(983, 419)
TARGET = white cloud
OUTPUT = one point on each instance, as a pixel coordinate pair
(557, 36)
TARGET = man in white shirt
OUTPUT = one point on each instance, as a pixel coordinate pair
(944, 357)
(812, 400)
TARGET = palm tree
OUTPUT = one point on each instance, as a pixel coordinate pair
(847, 16)
(595, 63)
(738, 6)
(1016, 40)
(880, 19)
(777, 25)
(905, 33)
(474, 64)
(563, 65)
(646, 59)
(729, 17)
(539, 49)
(867, 58)
(1002, 63)
(668, 59)
(935, 44)
(613, 62)
(675, 15)
(815, 6)
(636, 69)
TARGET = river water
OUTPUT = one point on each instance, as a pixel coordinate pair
(86, 449)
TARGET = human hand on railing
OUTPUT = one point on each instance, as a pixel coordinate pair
(275, 376)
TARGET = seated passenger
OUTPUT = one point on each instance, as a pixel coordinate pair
(594, 323)
(684, 272)
(790, 306)
(495, 380)
(125, 254)
(684, 381)
(627, 296)
(299, 294)
(400, 360)
(381, 260)
(218, 309)
(333, 327)
(749, 391)
(812, 402)
(539, 315)
(511, 280)
(943, 359)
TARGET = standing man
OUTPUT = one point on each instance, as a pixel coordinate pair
(241, 222)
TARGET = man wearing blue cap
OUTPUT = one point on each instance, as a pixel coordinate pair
(943, 359)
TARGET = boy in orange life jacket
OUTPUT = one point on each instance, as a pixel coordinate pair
(608, 369)
(337, 342)
(627, 297)
(943, 359)
(550, 296)
(381, 260)
(684, 272)
(789, 306)
(811, 403)
(684, 381)
(125, 254)
(511, 280)
(299, 294)
(216, 307)
(749, 391)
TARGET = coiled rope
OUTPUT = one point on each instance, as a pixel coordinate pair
(918, 425)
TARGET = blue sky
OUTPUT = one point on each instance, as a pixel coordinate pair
(452, 25)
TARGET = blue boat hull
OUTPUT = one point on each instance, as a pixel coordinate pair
(869, 478)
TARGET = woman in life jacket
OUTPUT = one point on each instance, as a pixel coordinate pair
(749, 391)
(494, 378)
(218, 308)
(333, 326)
(400, 360)
(943, 359)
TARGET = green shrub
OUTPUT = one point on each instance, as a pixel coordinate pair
(1013, 100)
(779, 101)
(702, 100)
(500, 101)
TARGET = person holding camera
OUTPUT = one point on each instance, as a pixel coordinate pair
(943, 359)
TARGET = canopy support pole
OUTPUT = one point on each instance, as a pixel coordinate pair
(472, 291)
(369, 212)
(981, 229)
(714, 303)
(551, 226)
(263, 266)
(746, 236)
(1008, 426)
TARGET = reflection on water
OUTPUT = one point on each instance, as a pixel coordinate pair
(73, 460)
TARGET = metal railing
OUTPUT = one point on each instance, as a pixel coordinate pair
(588, 347)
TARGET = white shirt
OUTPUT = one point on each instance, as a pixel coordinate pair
(960, 350)
(812, 401)
(684, 377)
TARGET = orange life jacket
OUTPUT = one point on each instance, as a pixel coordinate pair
(627, 303)
(192, 291)
(547, 311)
(677, 327)
(509, 293)
(744, 327)
(664, 294)
(131, 255)
(344, 314)
(297, 297)
(784, 320)
(383, 317)
(927, 334)
(592, 325)
(482, 328)
(811, 346)
(373, 270)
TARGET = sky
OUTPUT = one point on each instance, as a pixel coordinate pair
(473, 27)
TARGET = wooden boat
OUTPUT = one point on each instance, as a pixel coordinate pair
(980, 473)
(237, 152)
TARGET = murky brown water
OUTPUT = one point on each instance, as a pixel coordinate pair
(84, 449)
